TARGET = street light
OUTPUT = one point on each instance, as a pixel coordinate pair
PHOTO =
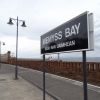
(1, 43)
(23, 25)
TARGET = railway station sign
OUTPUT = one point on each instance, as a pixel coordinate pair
(74, 35)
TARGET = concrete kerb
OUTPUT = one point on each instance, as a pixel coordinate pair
(47, 92)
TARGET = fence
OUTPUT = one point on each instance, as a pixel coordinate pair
(67, 69)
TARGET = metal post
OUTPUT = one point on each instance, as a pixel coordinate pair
(16, 68)
(23, 25)
(43, 76)
(85, 76)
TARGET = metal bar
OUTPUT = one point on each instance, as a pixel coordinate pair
(43, 76)
(85, 75)
(16, 68)
(17, 19)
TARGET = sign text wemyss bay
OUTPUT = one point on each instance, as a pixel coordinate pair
(70, 36)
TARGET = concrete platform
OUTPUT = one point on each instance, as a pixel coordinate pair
(11, 89)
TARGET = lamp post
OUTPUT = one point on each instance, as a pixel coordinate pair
(1, 43)
(23, 25)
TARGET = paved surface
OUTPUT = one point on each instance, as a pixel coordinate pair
(11, 89)
(58, 87)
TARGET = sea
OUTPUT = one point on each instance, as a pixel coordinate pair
(79, 59)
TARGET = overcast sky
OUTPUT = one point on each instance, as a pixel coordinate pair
(40, 17)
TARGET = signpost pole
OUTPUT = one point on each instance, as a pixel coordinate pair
(74, 35)
(85, 75)
(43, 76)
